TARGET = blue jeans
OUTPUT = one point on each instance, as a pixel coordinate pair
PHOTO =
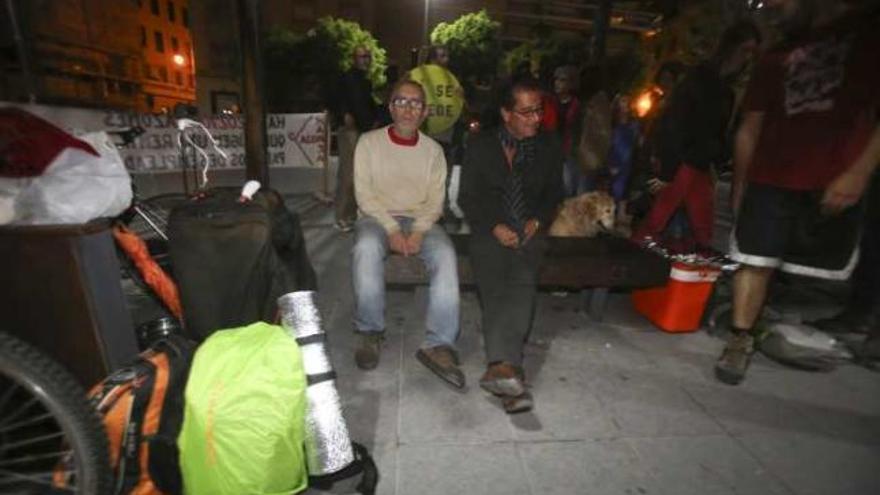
(368, 276)
(574, 180)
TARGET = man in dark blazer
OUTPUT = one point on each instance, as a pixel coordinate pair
(511, 187)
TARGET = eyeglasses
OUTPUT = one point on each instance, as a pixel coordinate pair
(530, 112)
(410, 103)
(364, 55)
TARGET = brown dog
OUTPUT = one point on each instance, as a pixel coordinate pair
(584, 215)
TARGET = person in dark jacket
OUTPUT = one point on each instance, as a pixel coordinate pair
(511, 186)
(562, 115)
(690, 136)
(358, 113)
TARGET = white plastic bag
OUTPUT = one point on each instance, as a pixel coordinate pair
(75, 188)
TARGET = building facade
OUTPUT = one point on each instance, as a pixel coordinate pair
(215, 33)
(125, 54)
(168, 67)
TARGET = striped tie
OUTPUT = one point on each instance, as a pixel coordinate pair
(521, 156)
(515, 202)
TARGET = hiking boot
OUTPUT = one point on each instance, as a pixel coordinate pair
(847, 321)
(443, 362)
(519, 404)
(366, 356)
(503, 379)
(734, 361)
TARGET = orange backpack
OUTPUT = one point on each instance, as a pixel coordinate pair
(142, 407)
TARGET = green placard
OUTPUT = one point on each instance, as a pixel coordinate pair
(445, 97)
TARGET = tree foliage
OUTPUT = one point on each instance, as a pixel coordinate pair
(287, 58)
(541, 55)
(693, 34)
(348, 35)
(473, 44)
(301, 69)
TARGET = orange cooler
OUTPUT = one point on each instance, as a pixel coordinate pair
(679, 306)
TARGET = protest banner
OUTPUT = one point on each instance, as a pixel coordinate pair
(294, 140)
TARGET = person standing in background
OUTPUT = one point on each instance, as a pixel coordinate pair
(562, 115)
(690, 136)
(358, 113)
(625, 138)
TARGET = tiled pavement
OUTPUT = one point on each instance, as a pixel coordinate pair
(621, 408)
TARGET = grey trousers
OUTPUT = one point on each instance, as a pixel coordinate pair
(507, 284)
(346, 205)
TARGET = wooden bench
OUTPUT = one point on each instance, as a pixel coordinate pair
(590, 266)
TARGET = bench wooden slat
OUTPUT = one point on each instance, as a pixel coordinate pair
(571, 263)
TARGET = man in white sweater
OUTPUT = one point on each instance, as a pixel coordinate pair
(400, 177)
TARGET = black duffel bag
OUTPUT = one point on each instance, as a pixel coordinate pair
(232, 260)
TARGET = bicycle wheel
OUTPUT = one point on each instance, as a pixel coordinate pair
(51, 440)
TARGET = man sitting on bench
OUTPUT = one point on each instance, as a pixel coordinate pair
(399, 176)
(511, 186)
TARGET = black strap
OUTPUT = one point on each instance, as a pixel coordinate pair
(363, 464)
(370, 478)
(129, 468)
(320, 377)
(312, 339)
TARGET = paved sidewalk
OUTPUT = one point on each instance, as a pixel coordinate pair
(621, 408)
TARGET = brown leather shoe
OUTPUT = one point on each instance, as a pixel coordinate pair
(443, 362)
(503, 379)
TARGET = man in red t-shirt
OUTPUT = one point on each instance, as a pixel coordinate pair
(806, 149)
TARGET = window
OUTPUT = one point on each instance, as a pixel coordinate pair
(154, 7)
(163, 74)
(178, 77)
(171, 15)
(184, 16)
(148, 74)
(160, 42)
(192, 82)
(174, 45)
(143, 37)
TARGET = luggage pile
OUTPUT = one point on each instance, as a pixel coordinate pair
(253, 407)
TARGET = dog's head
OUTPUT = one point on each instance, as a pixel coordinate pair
(597, 209)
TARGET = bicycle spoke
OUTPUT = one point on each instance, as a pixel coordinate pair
(50, 439)
(33, 440)
(22, 409)
(41, 477)
(7, 396)
(5, 428)
(31, 458)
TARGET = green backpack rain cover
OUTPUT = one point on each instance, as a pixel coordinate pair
(244, 420)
